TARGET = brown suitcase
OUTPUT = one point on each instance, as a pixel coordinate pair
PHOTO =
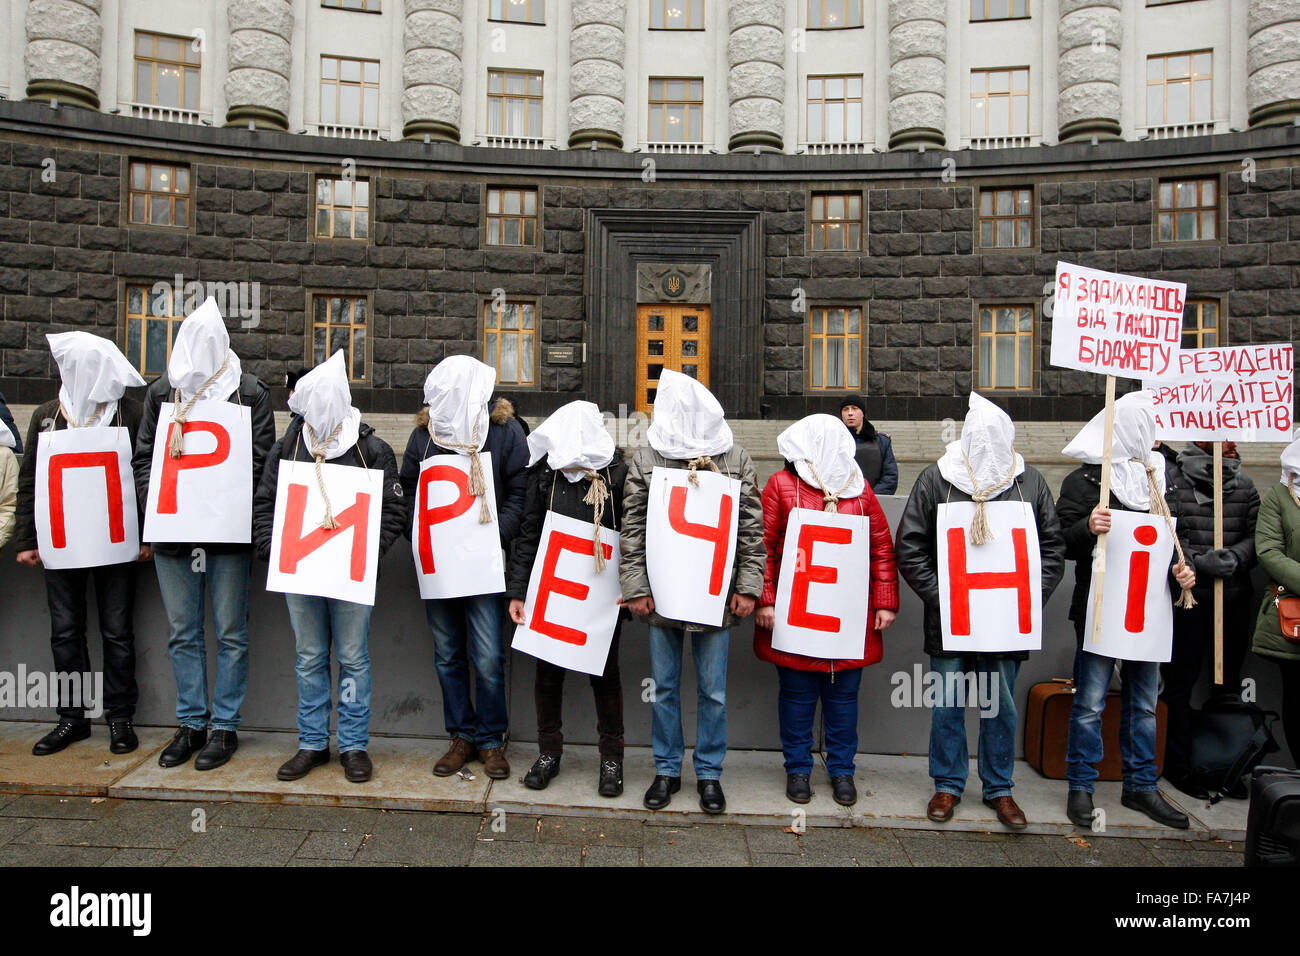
(1047, 728)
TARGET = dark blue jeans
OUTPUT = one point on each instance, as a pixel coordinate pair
(994, 693)
(797, 706)
(465, 629)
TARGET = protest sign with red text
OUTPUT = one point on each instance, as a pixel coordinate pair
(207, 493)
(690, 544)
(340, 562)
(823, 586)
(990, 595)
(85, 498)
(1116, 324)
(1242, 393)
(456, 555)
(571, 610)
(1137, 610)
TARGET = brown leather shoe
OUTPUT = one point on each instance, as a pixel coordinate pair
(457, 754)
(940, 807)
(495, 763)
(1008, 813)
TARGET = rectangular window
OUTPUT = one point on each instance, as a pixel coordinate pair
(511, 217)
(1006, 217)
(676, 14)
(166, 70)
(151, 324)
(370, 6)
(1189, 210)
(514, 104)
(835, 109)
(349, 92)
(339, 322)
(1006, 346)
(834, 14)
(342, 208)
(1180, 88)
(508, 341)
(835, 347)
(159, 194)
(836, 221)
(999, 102)
(676, 110)
(518, 11)
(998, 9)
(1201, 327)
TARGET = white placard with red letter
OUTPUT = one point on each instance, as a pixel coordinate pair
(207, 493)
(1242, 393)
(340, 562)
(456, 555)
(990, 595)
(1116, 324)
(823, 586)
(570, 609)
(85, 498)
(690, 544)
(1137, 610)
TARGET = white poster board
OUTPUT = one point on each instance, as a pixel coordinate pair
(690, 544)
(85, 498)
(571, 610)
(990, 595)
(1116, 324)
(455, 554)
(207, 493)
(1243, 393)
(341, 562)
(1137, 610)
(823, 587)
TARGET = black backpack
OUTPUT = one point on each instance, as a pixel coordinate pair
(1230, 738)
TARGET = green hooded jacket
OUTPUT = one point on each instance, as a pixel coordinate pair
(1277, 542)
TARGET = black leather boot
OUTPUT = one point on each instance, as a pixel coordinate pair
(611, 778)
(844, 790)
(544, 769)
(302, 763)
(797, 787)
(184, 745)
(661, 792)
(1078, 807)
(711, 798)
(122, 738)
(221, 746)
(67, 732)
(1154, 805)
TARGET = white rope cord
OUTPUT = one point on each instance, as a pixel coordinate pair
(176, 445)
(477, 486)
(1161, 507)
(318, 454)
(979, 528)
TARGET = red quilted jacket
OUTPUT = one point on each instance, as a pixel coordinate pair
(785, 491)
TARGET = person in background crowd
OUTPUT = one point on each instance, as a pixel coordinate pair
(1191, 478)
(874, 452)
(202, 367)
(8, 485)
(9, 425)
(326, 428)
(456, 421)
(1277, 543)
(688, 432)
(504, 406)
(291, 378)
(572, 443)
(981, 466)
(821, 474)
(92, 394)
(1137, 483)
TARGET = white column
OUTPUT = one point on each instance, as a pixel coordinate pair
(918, 73)
(1089, 38)
(432, 70)
(597, 47)
(260, 63)
(756, 45)
(1273, 62)
(64, 40)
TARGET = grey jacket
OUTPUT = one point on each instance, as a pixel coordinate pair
(747, 575)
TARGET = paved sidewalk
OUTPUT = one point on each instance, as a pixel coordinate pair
(96, 831)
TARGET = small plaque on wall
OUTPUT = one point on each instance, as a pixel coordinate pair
(562, 354)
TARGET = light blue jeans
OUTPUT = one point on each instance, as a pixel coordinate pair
(709, 648)
(949, 757)
(317, 622)
(226, 578)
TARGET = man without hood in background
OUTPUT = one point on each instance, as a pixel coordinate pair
(325, 428)
(1137, 483)
(981, 466)
(873, 450)
(688, 432)
(456, 421)
(202, 367)
(95, 377)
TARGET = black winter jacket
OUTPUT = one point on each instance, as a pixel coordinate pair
(546, 493)
(47, 418)
(1080, 492)
(251, 392)
(370, 451)
(1240, 508)
(916, 551)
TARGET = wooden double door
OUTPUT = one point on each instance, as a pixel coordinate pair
(669, 336)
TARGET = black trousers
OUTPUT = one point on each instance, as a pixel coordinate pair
(548, 692)
(1291, 706)
(115, 602)
(1194, 649)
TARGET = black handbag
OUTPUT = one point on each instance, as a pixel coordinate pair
(1229, 739)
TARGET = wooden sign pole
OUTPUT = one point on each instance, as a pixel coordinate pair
(1218, 544)
(1099, 559)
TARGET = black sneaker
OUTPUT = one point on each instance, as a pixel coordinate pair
(797, 787)
(67, 732)
(184, 745)
(611, 778)
(122, 738)
(544, 769)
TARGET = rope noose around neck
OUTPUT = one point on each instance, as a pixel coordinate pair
(979, 528)
(181, 413)
(477, 486)
(1161, 507)
(318, 455)
(703, 461)
(94, 416)
(830, 499)
(596, 496)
